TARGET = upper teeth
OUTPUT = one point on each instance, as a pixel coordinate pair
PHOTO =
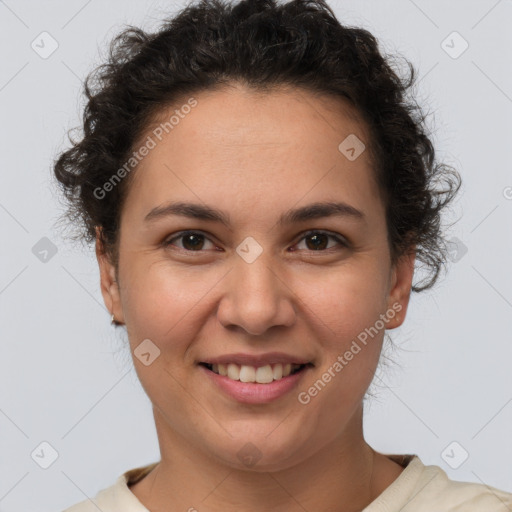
(261, 374)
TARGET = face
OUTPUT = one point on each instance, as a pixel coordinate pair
(262, 290)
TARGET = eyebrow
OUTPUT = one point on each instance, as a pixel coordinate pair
(206, 213)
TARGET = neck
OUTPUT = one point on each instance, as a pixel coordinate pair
(345, 474)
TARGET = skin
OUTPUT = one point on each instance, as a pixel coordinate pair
(255, 156)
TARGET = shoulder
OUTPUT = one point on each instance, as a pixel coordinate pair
(463, 496)
(421, 488)
(104, 500)
(117, 496)
(83, 506)
(432, 489)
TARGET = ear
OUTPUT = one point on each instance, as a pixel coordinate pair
(109, 285)
(400, 288)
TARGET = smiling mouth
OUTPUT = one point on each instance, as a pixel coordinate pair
(260, 375)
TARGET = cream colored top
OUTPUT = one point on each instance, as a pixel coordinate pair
(418, 488)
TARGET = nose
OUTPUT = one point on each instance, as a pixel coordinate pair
(256, 298)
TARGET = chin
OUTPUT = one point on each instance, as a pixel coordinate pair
(263, 450)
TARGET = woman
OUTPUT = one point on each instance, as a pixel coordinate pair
(259, 188)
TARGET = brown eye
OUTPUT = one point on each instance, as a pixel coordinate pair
(192, 241)
(318, 240)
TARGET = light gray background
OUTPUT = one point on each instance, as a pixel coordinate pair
(67, 379)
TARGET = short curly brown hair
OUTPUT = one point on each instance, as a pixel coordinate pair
(263, 45)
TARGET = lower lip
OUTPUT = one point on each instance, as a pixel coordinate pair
(253, 393)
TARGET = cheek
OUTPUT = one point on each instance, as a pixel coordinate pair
(347, 324)
(159, 302)
(345, 302)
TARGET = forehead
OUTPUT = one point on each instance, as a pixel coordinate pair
(239, 145)
(235, 115)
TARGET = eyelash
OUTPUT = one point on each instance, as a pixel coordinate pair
(182, 234)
